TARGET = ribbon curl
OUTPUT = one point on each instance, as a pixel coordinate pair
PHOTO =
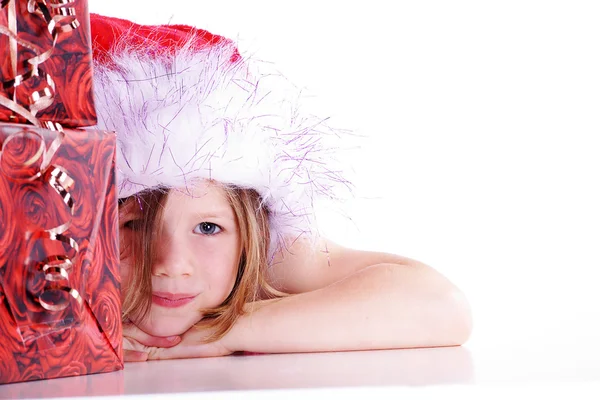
(60, 17)
(56, 268)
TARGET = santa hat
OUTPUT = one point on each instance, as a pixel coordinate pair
(187, 106)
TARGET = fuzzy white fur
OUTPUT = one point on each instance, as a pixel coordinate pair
(199, 116)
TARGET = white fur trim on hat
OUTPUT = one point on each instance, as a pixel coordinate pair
(197, 115)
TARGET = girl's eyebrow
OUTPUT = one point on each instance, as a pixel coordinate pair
(224, 213)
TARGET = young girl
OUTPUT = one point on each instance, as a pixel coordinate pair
(218, 173)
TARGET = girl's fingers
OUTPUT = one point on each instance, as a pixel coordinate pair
(134, 356)
(137, 345)
(135, 333)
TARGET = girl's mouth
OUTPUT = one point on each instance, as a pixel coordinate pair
(171, 300)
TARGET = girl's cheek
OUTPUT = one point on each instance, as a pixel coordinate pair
(227, 276)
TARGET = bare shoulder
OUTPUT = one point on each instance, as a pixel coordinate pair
(307, 265)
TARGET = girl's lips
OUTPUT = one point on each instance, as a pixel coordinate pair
(171, 300)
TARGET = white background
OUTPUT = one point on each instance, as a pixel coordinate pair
(481, 152)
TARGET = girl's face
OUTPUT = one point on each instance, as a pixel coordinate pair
(197, 258)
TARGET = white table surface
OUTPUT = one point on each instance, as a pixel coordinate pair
(485, 116)
(456, 370)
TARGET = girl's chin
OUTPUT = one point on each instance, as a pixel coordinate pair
(166, 331)
(167, 327)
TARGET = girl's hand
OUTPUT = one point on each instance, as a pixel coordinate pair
(137, 344)
(191, 346)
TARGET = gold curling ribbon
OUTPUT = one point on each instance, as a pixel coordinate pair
(60, 17)
(12, 44)
(56, 268)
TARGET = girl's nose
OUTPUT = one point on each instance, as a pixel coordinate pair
(172, 261)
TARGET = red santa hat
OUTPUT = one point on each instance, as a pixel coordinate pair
(187, 106)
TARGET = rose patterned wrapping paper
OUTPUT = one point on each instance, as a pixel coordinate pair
(46, 46)
(60, 310)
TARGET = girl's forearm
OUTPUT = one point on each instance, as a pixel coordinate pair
(380, 307)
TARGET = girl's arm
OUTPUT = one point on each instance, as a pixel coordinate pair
(382, 306)
(304, 267)
(346, 300)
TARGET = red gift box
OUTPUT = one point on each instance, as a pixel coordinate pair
(60, 310)
(62, 82)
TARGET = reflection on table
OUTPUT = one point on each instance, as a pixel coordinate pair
(411, 367)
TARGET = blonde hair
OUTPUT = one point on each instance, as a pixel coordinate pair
(253, 222)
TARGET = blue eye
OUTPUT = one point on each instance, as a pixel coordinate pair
(207, 228)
